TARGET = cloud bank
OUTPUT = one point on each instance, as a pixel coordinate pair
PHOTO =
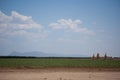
(19, 25)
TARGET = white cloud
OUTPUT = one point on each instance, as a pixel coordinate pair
(70, 25)
(4, 18)
(65, 24)
(20, 17)
(18, 24)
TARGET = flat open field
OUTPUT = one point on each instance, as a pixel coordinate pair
(58, 69)
(59, 74)
(38, 63)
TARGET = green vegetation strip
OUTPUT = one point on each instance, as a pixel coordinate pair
(20, 62)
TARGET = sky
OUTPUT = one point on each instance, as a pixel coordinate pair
(66, 27)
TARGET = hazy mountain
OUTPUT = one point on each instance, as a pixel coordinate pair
(43, 54)
(33, 53)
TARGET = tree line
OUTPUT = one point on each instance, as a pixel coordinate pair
(98, 56)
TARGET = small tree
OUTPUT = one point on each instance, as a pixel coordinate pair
(98, 56)
(93, 57)
(105, 56)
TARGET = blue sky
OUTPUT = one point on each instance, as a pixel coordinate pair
(66, 27)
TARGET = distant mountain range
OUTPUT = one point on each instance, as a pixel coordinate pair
(33, 53)
(42, 54)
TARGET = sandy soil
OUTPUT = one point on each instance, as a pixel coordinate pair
(59, 74)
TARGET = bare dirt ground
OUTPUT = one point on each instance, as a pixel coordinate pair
(60, 74)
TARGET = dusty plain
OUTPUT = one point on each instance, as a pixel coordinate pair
(60, 74)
